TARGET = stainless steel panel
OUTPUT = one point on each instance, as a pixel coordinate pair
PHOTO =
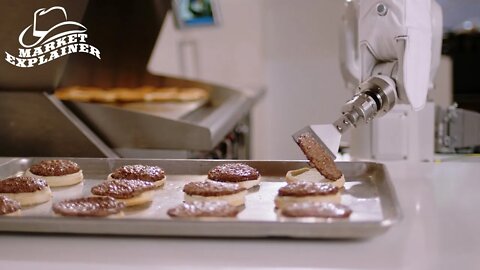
(201, 129)
(37, 124)
(368, 191)
(457, 130)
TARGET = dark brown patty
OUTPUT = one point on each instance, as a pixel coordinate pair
(139, 172)
(209, 188)
(54, 168)
(317, 209)
(204, 209)
(8, 206)
(21, 184)
(301, 189)
(233, 172)
(318, 157)
(122, 189)
(88, 207)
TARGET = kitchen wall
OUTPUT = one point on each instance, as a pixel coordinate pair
(288, 47)
(302, 68)
(231, 54)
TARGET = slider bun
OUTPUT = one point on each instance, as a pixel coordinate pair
(142, 198)
(30, 198)
(244, 184)
(59, 181)
(312, 175)
(236, 199)
(283, 201)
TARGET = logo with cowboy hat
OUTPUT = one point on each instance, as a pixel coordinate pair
(51, 36)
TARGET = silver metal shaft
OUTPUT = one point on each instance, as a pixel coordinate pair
(376, 96)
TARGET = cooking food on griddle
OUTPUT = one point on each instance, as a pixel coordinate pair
(136, 94)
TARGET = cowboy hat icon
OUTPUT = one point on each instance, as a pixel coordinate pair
(60, 29)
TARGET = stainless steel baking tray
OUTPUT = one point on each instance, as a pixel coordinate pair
(368, 191)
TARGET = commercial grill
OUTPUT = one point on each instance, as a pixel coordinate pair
(34, 122)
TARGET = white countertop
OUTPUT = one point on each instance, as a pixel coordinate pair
(440, 230)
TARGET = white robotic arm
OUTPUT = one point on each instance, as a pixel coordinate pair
(391, 50)
(400, 39)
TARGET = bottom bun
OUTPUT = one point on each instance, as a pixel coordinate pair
(31, 198)
(236, 199)
(59, 181)
(282, 201)
(144, 197)
(312, 175)
(245, 184)
(160, 183)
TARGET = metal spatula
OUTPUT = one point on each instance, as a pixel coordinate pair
(376, 97)
(327, 136)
